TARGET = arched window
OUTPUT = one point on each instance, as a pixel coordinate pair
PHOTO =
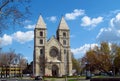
(41, 33)
(64, 42)
(64, 34)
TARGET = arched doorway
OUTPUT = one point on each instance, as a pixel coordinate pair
(55, 70)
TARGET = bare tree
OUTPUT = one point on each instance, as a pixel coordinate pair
(13, 12)
(22, 63)
(11, 58)
(6, 59)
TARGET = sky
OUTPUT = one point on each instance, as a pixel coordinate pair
(90, 22)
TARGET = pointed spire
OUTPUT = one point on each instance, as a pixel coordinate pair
(63, 24)
(40, 23)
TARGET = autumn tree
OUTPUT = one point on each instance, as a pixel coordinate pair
(116, 59)
(91, 59)
(103, 58)
(104, 48)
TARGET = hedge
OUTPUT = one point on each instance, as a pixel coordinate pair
(105, 79)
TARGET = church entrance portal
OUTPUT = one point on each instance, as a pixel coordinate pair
(55, 70)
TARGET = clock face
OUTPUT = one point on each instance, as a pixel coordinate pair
(53, 52)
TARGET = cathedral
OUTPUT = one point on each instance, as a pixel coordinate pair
(52, 57)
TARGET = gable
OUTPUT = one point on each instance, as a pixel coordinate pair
(53, 42)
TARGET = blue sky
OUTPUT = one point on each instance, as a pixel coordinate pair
(90, 22)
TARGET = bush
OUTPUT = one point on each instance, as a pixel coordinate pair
(105, 79)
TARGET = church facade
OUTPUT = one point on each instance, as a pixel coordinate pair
(52, 57)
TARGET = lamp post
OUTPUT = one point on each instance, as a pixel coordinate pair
(1, 67)
(1, 72)
(113, 67)
(113, 70)
(88, 73)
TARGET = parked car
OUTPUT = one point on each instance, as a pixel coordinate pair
(38, 78)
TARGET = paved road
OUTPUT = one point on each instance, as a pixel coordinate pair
(62, 79)
(13, 79)
(16, 80)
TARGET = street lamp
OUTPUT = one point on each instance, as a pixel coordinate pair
(113, 66)
(3, 68)
(1, 72)
(88, 73)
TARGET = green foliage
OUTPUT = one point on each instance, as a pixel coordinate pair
(76, 65)
(105, 48)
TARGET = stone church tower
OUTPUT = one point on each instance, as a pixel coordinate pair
(52, 57)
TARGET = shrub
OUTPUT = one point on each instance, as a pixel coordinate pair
(105, 79)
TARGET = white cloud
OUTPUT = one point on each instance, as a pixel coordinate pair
(73, 15)
(111, 13)
(5, 40)
(87, 21)
(30, 26)
(18, 36)
(111, 33)
(27, 21)
(52, 18)
(83, 49)
(108, 34)
(23, 37)
(115, 22)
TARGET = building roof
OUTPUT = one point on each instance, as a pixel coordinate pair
(63, 24)
(53, 41)
(40, 23)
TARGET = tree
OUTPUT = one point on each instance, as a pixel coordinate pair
(5, 60)
(22, 62)
(92, 59)
(7, 57)
(76, 65)
(99, 58)
(116, 60)
(13, 12)
(104, 48)
(28, 69)
(11, 58)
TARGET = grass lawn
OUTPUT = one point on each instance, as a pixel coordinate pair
(69, 78)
